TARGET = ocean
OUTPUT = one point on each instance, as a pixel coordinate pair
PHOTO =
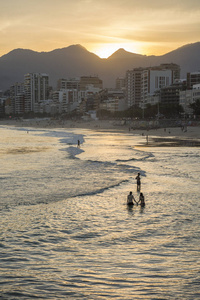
(66, 231)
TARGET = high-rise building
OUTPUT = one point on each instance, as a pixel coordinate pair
(134, 86)
(65, 84)
(176, 70)
(120, 83)
(171, 94)
(144, 82)
(17, 98)
(36, 88)
(192, 79)
(94, 81)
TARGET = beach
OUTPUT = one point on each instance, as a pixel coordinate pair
(66, 231)
(190, 132)
(154, 136)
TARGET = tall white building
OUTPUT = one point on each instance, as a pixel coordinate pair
(133, 86)
(66, 99)
(36, 87)
(142, 83)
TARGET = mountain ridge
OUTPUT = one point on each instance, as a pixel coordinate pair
(76, 61)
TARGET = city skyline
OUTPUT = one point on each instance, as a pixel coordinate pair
(148, 28)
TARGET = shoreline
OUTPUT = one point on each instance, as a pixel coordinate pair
(167, 137)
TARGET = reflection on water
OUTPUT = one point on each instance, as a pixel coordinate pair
(67, 233)
(173, 142)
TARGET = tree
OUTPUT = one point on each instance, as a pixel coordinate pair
(170, 110)
(195, 107)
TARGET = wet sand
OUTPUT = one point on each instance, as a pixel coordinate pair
(152, 137)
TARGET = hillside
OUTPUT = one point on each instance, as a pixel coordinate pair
(75, 61)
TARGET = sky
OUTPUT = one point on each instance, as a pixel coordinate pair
(148, 27)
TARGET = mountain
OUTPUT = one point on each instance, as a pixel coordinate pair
(76, 61)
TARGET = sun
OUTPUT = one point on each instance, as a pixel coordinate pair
(107, 49)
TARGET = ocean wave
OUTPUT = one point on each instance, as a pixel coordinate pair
(141, 157)
(126, 168)
(106, 163)
(126, 160)
(99, 191)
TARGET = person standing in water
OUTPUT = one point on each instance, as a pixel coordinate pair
(78, 144)
(138, 181)
(141, 200)
(130, 199)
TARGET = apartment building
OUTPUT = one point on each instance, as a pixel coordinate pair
(120, 83)
(192, 79)
(171, 94)
(142, 83)
(175, 69)
(134, 86)
(66, 99)
(111, 100)
(17, 98)
(86, 81)
(72, 83)
(188, 97)
(36, 88)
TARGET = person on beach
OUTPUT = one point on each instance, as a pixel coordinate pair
(138, 181)
(78, 145)
(141, 200)
(130, 199)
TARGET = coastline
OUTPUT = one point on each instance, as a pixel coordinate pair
(173, 136)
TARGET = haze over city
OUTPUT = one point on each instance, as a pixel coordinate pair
(102, 27)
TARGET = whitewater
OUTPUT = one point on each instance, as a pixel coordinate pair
(66, 231)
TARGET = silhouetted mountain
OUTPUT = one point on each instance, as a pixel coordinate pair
(75, 61)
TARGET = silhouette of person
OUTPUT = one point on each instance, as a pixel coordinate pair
(141, 200)
(130, 199)
(138, 181)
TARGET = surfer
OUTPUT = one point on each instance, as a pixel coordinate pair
(141, 200)
(138, 181)
(130, 199)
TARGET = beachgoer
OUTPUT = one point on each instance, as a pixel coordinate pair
(141, 200)
(78, 145)
(147, 138)
(130, 199)
(138, 181)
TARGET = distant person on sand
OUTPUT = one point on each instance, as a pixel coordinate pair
(141, 200)
(78, 145)
(138, 181)
(130, 199)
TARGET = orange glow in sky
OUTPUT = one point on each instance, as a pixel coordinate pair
(143, 27)
(107, 49)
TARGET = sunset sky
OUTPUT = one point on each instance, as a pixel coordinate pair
(101, 26)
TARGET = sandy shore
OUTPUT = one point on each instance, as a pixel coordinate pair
(154, 137)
